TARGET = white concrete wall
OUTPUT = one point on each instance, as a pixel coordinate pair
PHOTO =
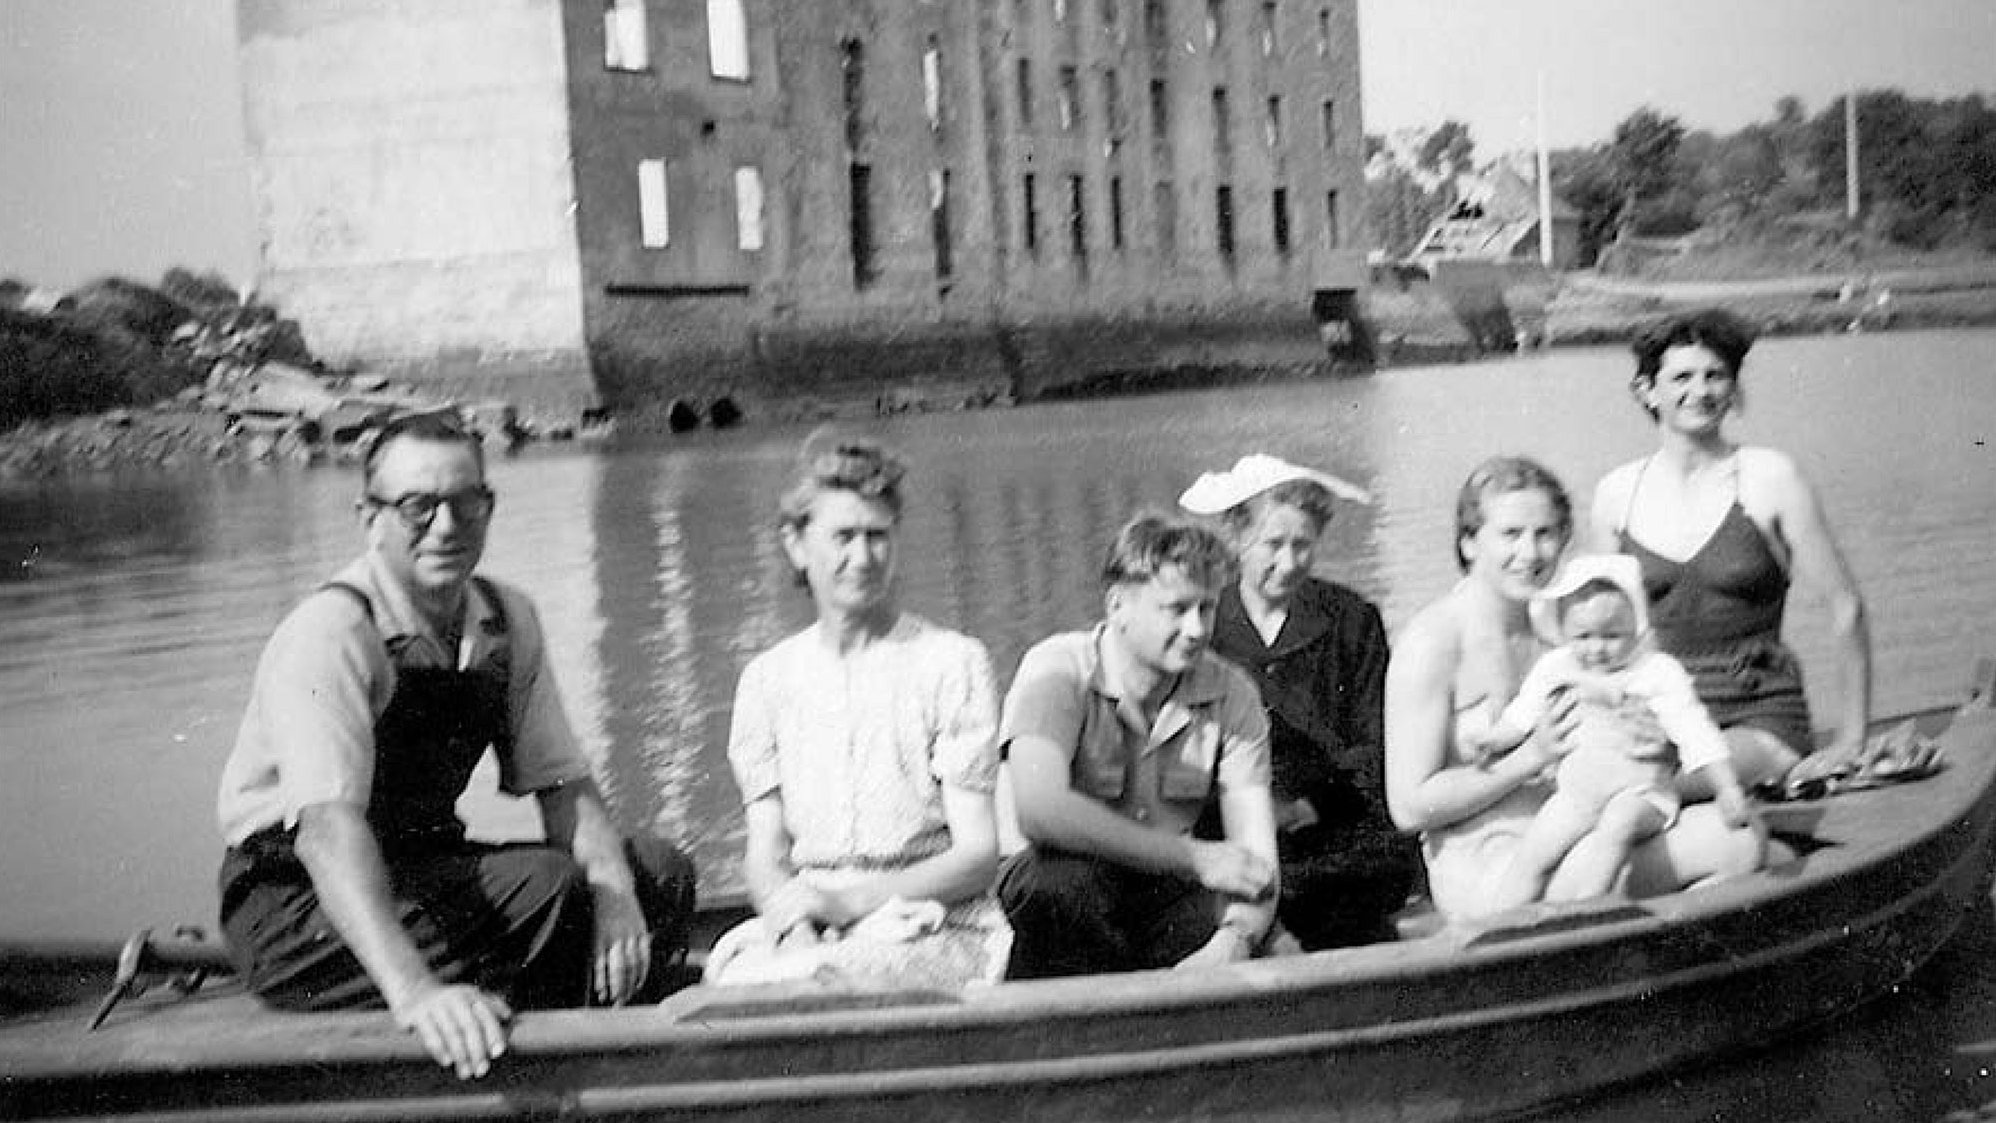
(415, 200)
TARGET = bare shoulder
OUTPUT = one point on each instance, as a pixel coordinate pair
(1772, 474)
(1430, 637)
(1611, 493)
(1618, 479)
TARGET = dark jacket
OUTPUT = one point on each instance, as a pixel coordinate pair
(1323, 682)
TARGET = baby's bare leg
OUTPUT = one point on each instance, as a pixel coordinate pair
(1596, 861)
(1560, 823)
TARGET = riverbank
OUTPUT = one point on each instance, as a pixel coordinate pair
(1410, 324)
(1419, 322)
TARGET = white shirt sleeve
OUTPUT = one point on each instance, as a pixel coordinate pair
(1666, 686)
(1553, 669)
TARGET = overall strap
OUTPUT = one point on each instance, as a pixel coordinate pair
(500, 623)
(354, 591)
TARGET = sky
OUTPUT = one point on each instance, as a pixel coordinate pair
(121, 146)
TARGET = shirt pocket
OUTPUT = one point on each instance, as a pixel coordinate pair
(1186, 766)
(1100, 765)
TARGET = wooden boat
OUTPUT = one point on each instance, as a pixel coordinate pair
(1529, 1010)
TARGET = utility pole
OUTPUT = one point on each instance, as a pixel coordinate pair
(1850, 156)
(1545, 182)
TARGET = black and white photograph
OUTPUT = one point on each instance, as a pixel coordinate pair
(870, 561)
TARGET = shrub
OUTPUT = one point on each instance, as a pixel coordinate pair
(52, 365)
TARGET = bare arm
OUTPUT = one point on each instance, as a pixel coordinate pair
(962, 871)
(1248, 814)
(463, 1027)
(578, 822)
(1423, 790)
(1604, 515)
(1818, 564)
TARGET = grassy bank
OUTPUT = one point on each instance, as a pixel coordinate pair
(1419, 323)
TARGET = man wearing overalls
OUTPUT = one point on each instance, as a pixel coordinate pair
(349, 882)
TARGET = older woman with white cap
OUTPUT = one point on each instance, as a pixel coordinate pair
(1317, 651)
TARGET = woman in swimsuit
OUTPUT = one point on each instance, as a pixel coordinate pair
(1453, 668)
(1720, 529)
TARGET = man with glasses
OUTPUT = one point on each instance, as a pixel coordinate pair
(349, 882)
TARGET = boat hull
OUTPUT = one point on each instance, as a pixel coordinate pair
(1541, 1007)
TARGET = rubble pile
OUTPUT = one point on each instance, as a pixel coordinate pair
(118, 376)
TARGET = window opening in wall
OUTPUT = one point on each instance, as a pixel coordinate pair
(727, 40)
(852, 68)
(939, 222)
(748, 208)
(860, 223)
(1278, 219)
(1333, 237)
(1323, 31)
(1026, 92)
(1112, 104)
(1160, 112)
(1077, 220)
(1223, 219)
(654, 219)
(932, 85)
(624, 43)
(1116, 212)
(1272, 123)
(1110, 18)
(1268, 28)
(1157, 31)
(1216, 23)
(1070, 99)
(1330, 125)
(1165, 206)
(1223, 137)
(1031, 227)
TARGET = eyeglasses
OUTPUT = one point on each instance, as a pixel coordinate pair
(418, 509)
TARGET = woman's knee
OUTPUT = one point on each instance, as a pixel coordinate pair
(1715, 847)
(1759, 756)
(1630, 817)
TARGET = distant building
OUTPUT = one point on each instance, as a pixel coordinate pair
(1496, 218)
(653, 199)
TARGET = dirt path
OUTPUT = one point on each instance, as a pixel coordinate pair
(1938, 278)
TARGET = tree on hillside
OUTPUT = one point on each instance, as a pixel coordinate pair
(1585, 178)
(1398, 210)
(1644, 154)
(1903, 171)
(1448, 150)
(1733, 176)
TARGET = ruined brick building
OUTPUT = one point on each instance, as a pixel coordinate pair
(785, 200)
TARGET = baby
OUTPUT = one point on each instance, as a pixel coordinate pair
(1636, 718)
